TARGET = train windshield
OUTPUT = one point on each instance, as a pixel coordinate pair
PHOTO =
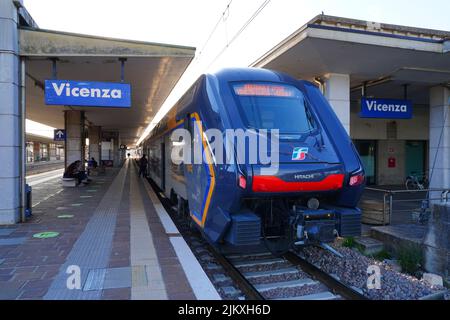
(273, 106)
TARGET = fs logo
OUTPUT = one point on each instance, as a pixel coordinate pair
(299, 154)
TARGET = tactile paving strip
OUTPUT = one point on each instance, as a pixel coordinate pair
(6, 232)
(12, 241)
(93, 247)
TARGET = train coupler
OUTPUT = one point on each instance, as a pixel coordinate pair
(315, 227)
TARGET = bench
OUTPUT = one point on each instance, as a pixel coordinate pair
(69, 182)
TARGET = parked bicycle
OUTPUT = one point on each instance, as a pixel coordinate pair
(417, 181)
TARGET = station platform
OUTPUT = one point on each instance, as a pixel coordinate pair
(112, 240)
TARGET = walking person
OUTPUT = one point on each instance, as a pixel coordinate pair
(92, 166)
(143, 162)
(93, 163)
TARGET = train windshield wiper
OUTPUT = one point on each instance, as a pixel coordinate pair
(290, 136)
(315, 158)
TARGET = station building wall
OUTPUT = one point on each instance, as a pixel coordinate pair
(38, 151)
(391, 136)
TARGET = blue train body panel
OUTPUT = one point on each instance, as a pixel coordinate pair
(316, 159)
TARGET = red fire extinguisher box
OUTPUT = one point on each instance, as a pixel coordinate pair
(392, 162)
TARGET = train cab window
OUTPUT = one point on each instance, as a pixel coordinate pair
(273, 106)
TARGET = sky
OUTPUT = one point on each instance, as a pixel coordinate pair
(212, 26)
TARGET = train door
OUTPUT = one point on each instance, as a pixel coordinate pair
(199, 180)
(163, 166)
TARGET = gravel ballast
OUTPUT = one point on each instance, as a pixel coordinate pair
(352, 270)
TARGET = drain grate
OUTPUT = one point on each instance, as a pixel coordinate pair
(95, 280)
(117, 278)
(108, 278)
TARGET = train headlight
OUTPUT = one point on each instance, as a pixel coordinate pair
(356, 180)
(313, 204)
(242, 182)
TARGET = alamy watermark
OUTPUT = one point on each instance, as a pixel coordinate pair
(374, 279)
(238, 146)
(73, 281)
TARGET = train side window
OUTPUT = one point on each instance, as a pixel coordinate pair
(188, 124)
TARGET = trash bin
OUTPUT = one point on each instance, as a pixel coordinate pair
(28, 205)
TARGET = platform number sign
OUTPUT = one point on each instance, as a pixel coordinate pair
(59, 135)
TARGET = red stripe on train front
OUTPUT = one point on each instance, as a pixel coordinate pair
(275, 184)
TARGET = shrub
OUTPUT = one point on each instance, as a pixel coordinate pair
(410, 258)
(382, 255)
(349, 242)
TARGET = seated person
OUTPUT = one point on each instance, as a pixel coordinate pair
(74, 170)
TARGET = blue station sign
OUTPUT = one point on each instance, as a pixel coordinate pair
(87, 93)
(386, 108)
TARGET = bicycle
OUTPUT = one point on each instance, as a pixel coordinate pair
(413, 182)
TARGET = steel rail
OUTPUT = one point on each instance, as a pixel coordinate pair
(239, 279)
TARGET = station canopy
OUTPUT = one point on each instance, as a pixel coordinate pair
(152, 69)
(383, 56)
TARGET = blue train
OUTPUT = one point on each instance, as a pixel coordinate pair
(308, 191)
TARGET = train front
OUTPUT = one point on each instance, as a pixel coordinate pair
(298, 178)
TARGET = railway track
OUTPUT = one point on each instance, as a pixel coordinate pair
(261, 276)
(288, 277)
